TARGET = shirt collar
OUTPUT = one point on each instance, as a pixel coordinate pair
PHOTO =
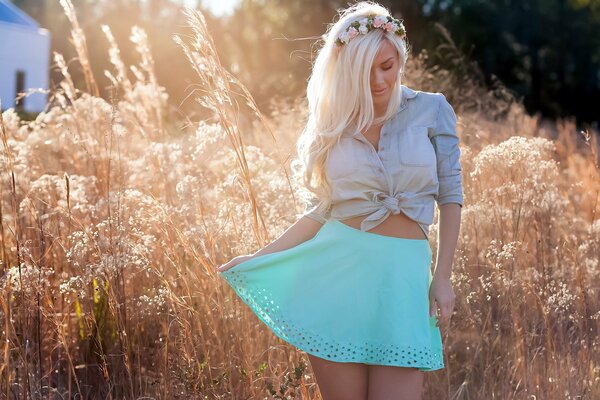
(407, 93)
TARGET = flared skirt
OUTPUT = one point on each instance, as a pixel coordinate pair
(347, 295)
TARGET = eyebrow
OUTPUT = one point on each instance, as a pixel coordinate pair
(391, 58)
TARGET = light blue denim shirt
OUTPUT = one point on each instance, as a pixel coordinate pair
(417, 165)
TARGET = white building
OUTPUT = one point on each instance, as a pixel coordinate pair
(24, 58)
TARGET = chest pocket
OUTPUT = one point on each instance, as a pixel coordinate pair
(415, 149)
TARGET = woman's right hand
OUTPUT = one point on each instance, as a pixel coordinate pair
(234, 261)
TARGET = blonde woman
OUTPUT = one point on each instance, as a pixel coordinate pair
(350, 283)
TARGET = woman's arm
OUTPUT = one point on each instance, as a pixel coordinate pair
(449, 226)
(302, 230)
(450, 200)
(441, 292)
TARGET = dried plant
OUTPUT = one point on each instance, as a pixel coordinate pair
(80, 44)
(111, 226)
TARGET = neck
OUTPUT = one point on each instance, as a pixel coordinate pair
(380, 110)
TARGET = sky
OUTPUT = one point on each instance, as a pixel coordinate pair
(216, 7)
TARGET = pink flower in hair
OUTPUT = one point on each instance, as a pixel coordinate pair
(390, 27)
(379, 21)
(352, 33)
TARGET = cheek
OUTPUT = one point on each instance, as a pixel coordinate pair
(391, 76)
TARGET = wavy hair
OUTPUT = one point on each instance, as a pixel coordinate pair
(339, 94)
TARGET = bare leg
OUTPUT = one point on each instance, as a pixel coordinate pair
(395, 383)
(340, 380)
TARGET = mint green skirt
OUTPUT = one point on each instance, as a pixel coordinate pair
(347, 295)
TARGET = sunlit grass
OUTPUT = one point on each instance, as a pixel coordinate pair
(113, 219)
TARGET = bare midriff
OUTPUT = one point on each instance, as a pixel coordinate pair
(396, 225)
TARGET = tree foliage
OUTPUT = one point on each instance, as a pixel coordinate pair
(547, 51)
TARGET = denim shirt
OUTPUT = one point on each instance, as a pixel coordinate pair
(416, 165)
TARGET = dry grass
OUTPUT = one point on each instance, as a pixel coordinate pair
(112, 221)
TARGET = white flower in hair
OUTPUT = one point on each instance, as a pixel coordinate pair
(344, 37)
(363, 29)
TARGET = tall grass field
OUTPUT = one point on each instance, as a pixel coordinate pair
(115, 213)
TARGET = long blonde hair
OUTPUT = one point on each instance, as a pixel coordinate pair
(339, 94)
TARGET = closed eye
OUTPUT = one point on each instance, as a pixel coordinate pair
(387, 65)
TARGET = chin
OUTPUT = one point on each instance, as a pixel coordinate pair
(381, 99)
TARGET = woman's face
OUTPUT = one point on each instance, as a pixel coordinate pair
(384, 73)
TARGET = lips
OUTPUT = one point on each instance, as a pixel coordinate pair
(379, 92)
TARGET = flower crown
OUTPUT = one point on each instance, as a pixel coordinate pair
(365, 25)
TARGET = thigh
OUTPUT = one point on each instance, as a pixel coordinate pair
(394, 383)
(340, 380)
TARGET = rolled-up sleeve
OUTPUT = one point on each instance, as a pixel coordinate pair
(446, 144)
(317, 211)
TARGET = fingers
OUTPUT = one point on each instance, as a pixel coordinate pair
(234, 262)
(223, 267)
(445, 313)
(432, 307)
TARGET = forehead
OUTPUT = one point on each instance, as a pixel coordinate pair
(386, 50)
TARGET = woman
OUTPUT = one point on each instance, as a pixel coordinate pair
(350, 282)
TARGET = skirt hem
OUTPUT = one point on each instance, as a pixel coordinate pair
(265, 317)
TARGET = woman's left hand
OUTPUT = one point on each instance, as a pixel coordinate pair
(441, 295)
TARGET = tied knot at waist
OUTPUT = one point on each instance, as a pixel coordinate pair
(398, 203)
(389, 202)
(405, 202)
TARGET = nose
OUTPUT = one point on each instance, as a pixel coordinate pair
(377, 80)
